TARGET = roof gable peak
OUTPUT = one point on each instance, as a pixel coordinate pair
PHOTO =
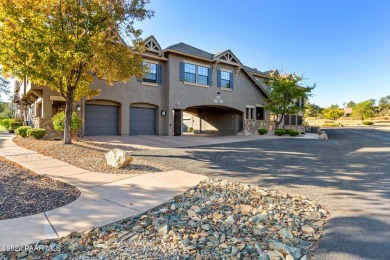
(152, 44)
(228, 57)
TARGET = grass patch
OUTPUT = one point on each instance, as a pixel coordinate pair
(3, 129)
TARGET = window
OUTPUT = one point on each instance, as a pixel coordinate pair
(287, 120)
(225, 79)
(203, 73)
(195, 74)
(300, 120)
(249, 113)
(151, 75)
(259, 113)
(293, 120)
(190, 73)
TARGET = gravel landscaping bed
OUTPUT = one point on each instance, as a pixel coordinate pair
(213, 220)
(87, 156)
(25, 193)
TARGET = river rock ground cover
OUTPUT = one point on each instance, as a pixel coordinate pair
(25, 193)
(214, 220)
(87, 156)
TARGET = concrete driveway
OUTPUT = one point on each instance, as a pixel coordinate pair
(152, 142)
(349, 174)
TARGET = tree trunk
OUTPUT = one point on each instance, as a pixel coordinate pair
(68, 117)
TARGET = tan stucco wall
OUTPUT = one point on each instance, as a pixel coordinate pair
(182, 95)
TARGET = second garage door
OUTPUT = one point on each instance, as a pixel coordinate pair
(101, 120)
(142, 121)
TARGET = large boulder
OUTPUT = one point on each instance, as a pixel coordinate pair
(323, 137)
(118, 158)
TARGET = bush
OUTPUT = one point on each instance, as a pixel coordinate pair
(22, 131)
(293, 132)
(262, 131)
(37, 133)
(6, 122)
(11, 124)
(59, 123)
(280, 132)
(368, 123)
(190, 129)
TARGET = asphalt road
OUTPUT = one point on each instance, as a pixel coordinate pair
(349, 174)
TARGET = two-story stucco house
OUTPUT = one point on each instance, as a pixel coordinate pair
(186, 89)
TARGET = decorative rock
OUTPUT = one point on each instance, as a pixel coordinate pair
(308, 229)
(235, 250)
(229, 220)
(163, 228)
(206, 227)
(118, 158)
(213, 240)
(213, 220)
(60, 257)
(294, 251)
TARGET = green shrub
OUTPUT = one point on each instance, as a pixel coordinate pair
(6, 122)
(262, 131)
(190, 129)
(15, 125)
(368, 123)
(37, 133)
(293, 132)
(59, 123)
(22, 130)
(280, 132)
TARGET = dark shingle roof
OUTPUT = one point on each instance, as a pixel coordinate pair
(185, 48)
(255, 71)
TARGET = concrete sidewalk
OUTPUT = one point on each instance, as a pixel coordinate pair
(105, 198)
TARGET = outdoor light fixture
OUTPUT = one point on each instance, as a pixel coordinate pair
(78, 108)
(163, 112)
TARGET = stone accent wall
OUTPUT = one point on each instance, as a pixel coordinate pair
(46, 123)
(251, 126)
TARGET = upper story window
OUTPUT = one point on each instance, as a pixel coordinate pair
(154, 73)
(203, 75)
(225, 79)
(190, 73)
(151, 75)
(195, 74)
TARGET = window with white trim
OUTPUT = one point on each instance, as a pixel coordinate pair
(196, 74)
(225, 79)
(151, 74)
(249, 113)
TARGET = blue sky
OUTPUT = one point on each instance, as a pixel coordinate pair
(343, 46)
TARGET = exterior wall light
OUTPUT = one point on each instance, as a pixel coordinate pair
(78, 108)
(163, 113)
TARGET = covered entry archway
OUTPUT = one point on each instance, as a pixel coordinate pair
(212, 119)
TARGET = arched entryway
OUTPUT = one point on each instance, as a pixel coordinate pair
(212, 119)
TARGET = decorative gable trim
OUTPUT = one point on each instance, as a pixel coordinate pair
(152, 44)
(227, 57)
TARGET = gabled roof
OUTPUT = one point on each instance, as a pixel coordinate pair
(152, 44)
(188, 49)
(226, 56)
(257, 72)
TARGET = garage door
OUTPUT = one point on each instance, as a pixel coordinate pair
(142, 121)
(101, 120)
